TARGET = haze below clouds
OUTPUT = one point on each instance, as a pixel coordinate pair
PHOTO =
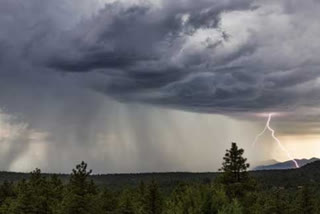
(135, 86)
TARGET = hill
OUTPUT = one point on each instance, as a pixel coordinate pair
(285, 165)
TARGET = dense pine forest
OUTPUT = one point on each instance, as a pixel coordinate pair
(232, 191)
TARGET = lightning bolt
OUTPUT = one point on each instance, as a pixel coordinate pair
(267, 127)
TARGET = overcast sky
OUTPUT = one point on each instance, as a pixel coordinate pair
(156, 85)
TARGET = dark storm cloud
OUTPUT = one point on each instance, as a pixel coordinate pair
(135, 47)
(206, 56)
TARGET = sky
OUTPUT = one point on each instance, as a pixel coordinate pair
(156, 85)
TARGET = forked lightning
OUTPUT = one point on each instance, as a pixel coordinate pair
(267, 126)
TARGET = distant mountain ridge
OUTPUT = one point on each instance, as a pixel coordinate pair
(267, 162)
(286, 165)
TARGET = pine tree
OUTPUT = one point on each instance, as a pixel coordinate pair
(126, 203)
(40, 191)
(80, 196)
(154, 202)
(24, 202)
(185, 199)
(279, 203)
(56, 189)
(79, 179)
(33, 196)
(234, 165)
(306, 201)
(215, 199)
(231, 208)
(6, 191)
(235, 177)
(141, 198)
(109, 201)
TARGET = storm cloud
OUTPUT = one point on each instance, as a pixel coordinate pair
(61, 61)
(205, 56)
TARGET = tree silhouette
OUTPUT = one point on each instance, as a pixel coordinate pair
(80, 196)
(235, 177)
(234, 165)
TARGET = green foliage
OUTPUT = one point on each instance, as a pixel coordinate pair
(153, 199)
(232, 208)
(81, 194)
(185, 199)
(305, 201)
(127, 203)
(109, 202)
(35, 196)
(6, 192)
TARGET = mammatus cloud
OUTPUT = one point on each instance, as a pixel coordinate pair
(236, 58)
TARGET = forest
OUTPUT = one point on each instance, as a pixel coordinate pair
(234, 190)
